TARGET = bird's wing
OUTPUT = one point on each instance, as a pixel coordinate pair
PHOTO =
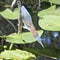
(27, 20)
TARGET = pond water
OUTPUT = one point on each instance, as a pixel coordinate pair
(47, 39)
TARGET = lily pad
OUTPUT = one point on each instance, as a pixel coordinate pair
(17, 55)
(50, 11)
(8, 14)
(50, 22)
(22, 38)
(55, 1)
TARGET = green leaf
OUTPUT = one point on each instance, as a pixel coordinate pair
(17, 55)
(50, 22)
(8, 14)
(55, 1)
(50, 11)
(50, 19)
(47, 11)
(22, 38)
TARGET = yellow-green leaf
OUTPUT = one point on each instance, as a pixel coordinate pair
(47, 11)
(8, 14)
(55, 1)
(50, 22)
(22, 38)
(17, 55)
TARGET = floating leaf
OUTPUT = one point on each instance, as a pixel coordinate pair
(50, 19)
(50, 22)
(47, 11)
(55, 1)
(17, 55)
(10, 14)
(22, 38)
(50, 11)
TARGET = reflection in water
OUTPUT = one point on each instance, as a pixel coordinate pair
(55, 34)
(46, 39)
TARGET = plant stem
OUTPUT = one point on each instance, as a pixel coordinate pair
(11, 24)
(19, 17)
(11, 46)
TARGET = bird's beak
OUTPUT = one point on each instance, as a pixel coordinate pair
(35, 34)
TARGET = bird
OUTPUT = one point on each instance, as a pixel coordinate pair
(28, 24)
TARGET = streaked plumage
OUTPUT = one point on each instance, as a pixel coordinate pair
(27, 20)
